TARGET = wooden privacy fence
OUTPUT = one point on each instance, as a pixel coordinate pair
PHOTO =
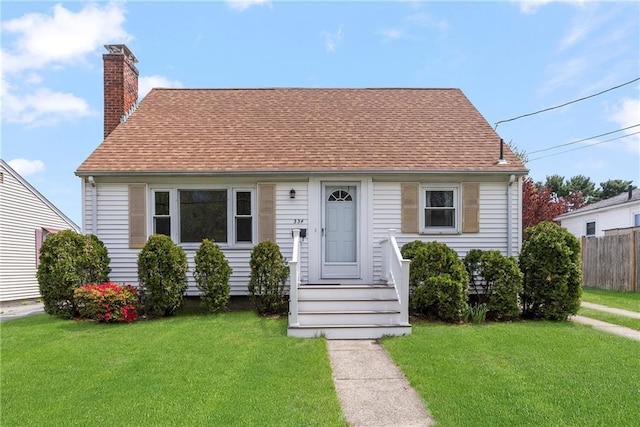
(612, 262)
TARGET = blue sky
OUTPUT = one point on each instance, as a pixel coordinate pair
(509, 58)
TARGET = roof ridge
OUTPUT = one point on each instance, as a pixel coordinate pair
(303, 88)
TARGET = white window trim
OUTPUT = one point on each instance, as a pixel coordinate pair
(457, 204)
(633, 218)
(595, 227)
(174, 212)
(153, 209)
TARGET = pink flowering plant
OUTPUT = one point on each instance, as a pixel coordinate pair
(107, 302)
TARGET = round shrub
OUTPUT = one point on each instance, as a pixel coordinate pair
(499, 279)
(212, 275)
(550, 262)
(269, 273)
(438, 280)
(67, 260)
(162, 272)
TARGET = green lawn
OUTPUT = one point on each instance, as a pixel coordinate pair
(522, 374)
(229, 369)
(624, 300)
(611, 318)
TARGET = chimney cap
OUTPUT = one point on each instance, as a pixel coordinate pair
(121, 49)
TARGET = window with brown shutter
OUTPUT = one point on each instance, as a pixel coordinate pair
(137, 215)
(266, 212)
(410, 212)
(470, 207)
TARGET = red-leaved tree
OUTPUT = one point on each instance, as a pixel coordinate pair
(540, 204)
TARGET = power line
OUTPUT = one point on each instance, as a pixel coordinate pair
(582, 140)
(565, 104)
(586, 146)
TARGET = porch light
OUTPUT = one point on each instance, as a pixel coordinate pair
(292, 194)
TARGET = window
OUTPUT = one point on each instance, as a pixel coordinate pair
(161, 213)
(203, 215)
(636, 220)
(591, 228)
(440, 208)
(190, 215)
(243, 219)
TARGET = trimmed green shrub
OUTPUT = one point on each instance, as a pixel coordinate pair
(212, 275)
(438, 280)
(550, 262)
(269, 273)
(499, 279)
(67, 260)
(162, 273)
(107, 302)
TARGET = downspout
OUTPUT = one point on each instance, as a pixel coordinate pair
(94, 206)
(512, 179)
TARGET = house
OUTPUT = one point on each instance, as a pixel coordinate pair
(604, 217)
(26, 218)
(342, 166)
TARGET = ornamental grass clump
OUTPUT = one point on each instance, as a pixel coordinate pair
(212, 275)
(68, 260)
(162, 274)
(107, 302)
(438, 280)
(550, 262)
(269, 273)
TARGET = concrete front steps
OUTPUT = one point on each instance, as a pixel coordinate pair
(348, 312)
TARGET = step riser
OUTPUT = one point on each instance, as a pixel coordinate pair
(349, 319)
(346, 293)
(349, 333)
(346, 305)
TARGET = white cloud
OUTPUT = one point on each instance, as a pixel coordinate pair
(35, 43)
(42, 107)
(242, 5)
(564, 72)
(332, 39)
(62, 38)
(391, 33)
(26, 167)
(146, 83)
(626, 114)
(425, 20)
(532, 6)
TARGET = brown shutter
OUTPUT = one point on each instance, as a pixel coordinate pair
(137, 215)
(410, 209)
(470, 207)
(266, 212)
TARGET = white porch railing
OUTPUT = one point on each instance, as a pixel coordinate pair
(395, 270)
(294, 279)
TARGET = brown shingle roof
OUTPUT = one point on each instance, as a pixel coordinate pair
(265, 130)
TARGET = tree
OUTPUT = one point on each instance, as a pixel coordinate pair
(539, 204)
(585, 186)
(556, 184)
(613, 187)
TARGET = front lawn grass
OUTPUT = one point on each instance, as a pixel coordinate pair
(226, 370)
(624, 300)
(521, 374)
(627, 322)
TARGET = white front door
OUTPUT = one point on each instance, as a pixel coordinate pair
(340, 248)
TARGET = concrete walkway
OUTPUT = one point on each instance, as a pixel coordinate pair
(371, 388)
(618, 311)
(18, 310)
(608, 327)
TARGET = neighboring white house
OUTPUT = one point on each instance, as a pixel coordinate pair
(343, 165)
(26, 218)
(621, 211)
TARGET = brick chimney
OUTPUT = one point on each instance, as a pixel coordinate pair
(120, 85)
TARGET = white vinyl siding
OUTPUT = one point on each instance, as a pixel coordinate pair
(606, 219)
(22, 212)
(493, 220)
(113, 231)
